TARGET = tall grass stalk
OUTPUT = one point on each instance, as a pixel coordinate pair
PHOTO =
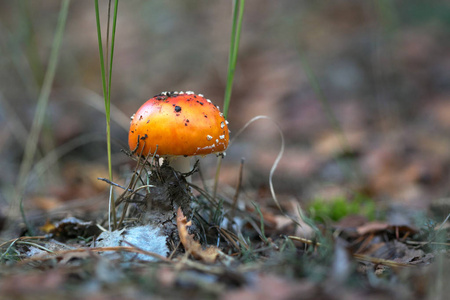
(329, 114)
(236, 26)
(39, 116)
(106, 84)
(238, 16)
(323, 99)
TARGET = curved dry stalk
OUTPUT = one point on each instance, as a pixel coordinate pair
(277, 160)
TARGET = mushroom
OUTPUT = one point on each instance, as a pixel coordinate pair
(176, 125)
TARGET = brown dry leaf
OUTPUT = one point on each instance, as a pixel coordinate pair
(208, 255)
(372, 227)
(67, 257)
(282, 222)
(351, 222)
(48, 227)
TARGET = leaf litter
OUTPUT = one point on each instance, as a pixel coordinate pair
(215, 247)
(175, 239)
(355, 257)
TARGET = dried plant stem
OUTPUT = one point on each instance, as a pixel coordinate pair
(277, 159)
(238, 187)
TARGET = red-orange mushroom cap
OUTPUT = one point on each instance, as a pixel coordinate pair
(178, 124)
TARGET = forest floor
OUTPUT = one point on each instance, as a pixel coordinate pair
(357, 207)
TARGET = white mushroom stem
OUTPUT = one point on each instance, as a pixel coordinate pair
(181, 164)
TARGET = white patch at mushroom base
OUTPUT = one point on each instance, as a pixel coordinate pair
(147, 237)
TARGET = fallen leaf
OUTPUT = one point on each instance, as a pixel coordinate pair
(372, 227)
(351, 221)
(70, 256)
(208, 255)
(48, 227)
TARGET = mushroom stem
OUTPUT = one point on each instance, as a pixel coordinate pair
(181, 164)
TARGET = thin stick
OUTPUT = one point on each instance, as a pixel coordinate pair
(22, 238)
(238, 187)
(277, 160)
(96, 249)
(303, 240)
(216, 177)
(113, 183)
(202, 178)
(155, 255)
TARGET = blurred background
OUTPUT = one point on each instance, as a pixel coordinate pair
(360, 90)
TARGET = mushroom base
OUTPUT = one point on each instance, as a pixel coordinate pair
(180, 163)
(170, 191)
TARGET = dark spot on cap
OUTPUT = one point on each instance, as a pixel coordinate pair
(148, 121)
(187, 120)
(140, 118)
(177, 108)
(185, 124)
(144, 137)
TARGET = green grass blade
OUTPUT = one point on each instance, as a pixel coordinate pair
(100, 50)
(238, 16)
(329, 114)
(113, 39)
(236, 27)
(41, 108)
(323, 99)
(230, 75)
(106, 84)
(108, 115)
(261, 221)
